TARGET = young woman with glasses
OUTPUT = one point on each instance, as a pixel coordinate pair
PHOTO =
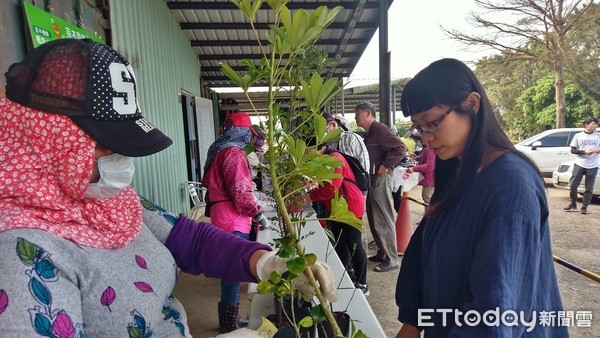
(483, 246)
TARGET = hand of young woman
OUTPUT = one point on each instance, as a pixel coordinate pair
(408, 331)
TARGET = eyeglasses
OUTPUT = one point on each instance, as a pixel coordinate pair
(432, 126)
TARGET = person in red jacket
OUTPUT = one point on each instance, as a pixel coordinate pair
(426, 167)
(348, 239)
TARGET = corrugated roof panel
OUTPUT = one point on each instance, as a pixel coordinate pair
(362, 13)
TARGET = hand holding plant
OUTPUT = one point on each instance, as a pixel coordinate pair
(290, 59)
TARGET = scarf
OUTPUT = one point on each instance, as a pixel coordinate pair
(232, 137)
(46, 163)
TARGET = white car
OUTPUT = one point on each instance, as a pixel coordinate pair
(550, 148)
(562, 175)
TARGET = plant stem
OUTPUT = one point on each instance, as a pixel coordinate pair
(288, 225)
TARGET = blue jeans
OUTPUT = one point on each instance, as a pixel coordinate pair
(230, 290)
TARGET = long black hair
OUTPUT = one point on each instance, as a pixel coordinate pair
(449, 82)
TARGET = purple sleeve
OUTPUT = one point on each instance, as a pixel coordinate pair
(202, 248)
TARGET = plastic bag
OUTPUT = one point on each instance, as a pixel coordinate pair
(400, 178)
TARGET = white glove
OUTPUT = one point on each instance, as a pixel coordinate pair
(261, 219)
(323, 273)
(243, 333)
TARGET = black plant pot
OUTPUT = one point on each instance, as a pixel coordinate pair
(343, 321)
(285, 328)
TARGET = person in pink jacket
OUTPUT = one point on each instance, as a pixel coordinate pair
(426, 167)
(228, 178)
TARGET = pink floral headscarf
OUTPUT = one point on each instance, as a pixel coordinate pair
(45, 167)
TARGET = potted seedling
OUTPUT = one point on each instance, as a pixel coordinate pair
(291, 64)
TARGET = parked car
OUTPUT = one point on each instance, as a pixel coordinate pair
(550, 148)
(562, 175)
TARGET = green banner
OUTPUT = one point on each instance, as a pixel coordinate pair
(45, 27)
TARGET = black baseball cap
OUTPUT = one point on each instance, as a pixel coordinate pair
(94, 86)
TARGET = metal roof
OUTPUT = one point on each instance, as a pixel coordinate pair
(219, 32)
(345, 105)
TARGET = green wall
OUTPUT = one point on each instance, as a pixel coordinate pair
(146, 33)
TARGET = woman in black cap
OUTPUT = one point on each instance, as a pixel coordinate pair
(80, 253)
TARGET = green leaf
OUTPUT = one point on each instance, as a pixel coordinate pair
(265, 287)
(317, 314)
(309, 35)
(248, 8)
(360, 334)
(299, 28)
(256, 6)
(279, 32)
(331, 15)
(232, 74)
(306, 321)
(300, 150)
(320, 127)
(286, 252)
(282, 290)
(311, 258)
(274, 277)
(330, 234)
(316, 82)
(317, 93)
(27, 251)
(328, 91)
(332, 136)
(340, 213)
(286, 20)
(276, 5)
(134, 332)
(318, 17)
(296, 265)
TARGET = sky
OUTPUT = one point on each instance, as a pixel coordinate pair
(415, 38)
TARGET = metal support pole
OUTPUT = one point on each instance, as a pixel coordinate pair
(384, 65)
(394, 104)
(343, 99)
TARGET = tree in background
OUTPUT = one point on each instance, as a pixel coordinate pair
(536, 103)
(522, 93)
(505, 78)
(402, 126)
(539, 31)
(582, 66)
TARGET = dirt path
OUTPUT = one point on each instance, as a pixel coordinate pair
(575, 237)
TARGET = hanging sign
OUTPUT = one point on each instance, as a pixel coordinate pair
(44, 27)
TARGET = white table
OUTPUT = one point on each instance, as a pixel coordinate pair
(351, 300)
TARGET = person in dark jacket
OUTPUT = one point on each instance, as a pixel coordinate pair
(483, 248)
(385, 152)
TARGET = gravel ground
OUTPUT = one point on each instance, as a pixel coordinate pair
(575, 238)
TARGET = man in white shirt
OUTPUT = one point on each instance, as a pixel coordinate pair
(350, 143)
(586, 145)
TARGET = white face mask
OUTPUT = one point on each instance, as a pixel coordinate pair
(116, 172)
